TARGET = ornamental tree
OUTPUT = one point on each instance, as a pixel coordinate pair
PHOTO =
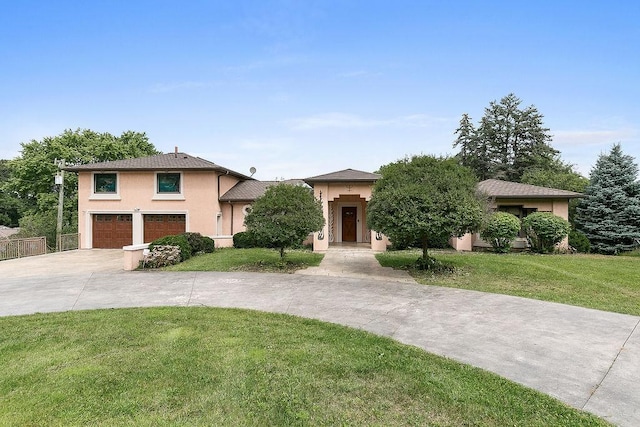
(500, 230)
(424, 199)
(609, 214)
(284, 216)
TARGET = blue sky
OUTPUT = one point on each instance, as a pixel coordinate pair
(300, 88)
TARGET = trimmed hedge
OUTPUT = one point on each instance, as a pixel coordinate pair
(244, 240)
(179, 240)
(579, 242)
(200, 243)
(545, 230)
(500, 230)
(189, 244)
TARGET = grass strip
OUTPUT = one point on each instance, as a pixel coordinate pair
(610, 283)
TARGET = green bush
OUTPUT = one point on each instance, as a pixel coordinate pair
(545, 230)
(179, 240)
(500, 230)
(244, 240)
(579, 241)
(200, 243)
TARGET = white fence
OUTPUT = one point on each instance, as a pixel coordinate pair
(19, 248)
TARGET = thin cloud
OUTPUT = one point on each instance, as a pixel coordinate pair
(592, 137)
(351, 121)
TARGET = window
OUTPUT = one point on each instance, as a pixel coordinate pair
(105, 186)
(105, 183)
(168, 183)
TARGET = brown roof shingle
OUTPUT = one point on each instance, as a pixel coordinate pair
(248, 191)
(506, 189)
(169, 161)
(344, 176)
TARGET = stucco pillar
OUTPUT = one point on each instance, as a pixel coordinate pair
(321, 238)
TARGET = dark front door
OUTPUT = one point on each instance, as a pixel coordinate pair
(349, 221)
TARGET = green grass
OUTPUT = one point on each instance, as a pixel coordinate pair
(207, 366)
(610, 283)
(257, 259)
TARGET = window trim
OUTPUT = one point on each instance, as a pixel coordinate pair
(104, 196)
(168, 196)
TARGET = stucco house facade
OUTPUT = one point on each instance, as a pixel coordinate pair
(520, 200)
(134, 201)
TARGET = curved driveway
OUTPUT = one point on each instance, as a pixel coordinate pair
(587, 358)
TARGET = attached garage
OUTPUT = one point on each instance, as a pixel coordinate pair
(111, 231)
(156, 226)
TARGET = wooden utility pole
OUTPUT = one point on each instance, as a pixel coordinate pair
(60, 182)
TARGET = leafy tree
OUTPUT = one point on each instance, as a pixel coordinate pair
(284, 216)
(508, 141)
(424, 198)
(31, 174)
(500, 230)
(545, 230)
(609, 214)
(10, 204)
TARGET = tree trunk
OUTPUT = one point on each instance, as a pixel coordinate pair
(425, 244)
(281, 253)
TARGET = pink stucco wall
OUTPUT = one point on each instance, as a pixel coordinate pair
(136, 196)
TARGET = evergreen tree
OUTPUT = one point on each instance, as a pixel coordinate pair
(609, 215)
(508, 141)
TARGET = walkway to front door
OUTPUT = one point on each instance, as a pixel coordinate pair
(356, 261)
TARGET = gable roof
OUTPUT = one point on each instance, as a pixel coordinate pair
(248, 191)
(514, 190)
(345, 175)
(164, 162)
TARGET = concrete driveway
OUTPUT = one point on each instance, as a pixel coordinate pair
(588, 359)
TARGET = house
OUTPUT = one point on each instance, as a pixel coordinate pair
(135, 201)
(520, 200)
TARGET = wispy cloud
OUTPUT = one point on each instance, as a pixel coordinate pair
(592, 137)
(352, 121)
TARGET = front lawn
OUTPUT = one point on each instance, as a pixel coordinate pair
(208, 366)
(255, 259)
(610, 283)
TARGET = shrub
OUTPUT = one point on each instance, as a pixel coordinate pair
(545, 230)
(161, 256)
(200, 243)
(579, 242)
(244, 240)
(500, 230)
(179, 240)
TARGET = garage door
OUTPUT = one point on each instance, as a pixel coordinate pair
(112, 231)
(156, 226)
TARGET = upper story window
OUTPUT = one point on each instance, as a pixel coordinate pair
(105, 183)
(169, 186)
(105, 186)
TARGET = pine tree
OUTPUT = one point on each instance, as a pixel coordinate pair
(508, 141)
(609, 215)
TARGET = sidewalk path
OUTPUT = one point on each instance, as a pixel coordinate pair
(357, 263)
(588, 359)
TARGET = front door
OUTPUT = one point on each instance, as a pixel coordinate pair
(349, 221)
